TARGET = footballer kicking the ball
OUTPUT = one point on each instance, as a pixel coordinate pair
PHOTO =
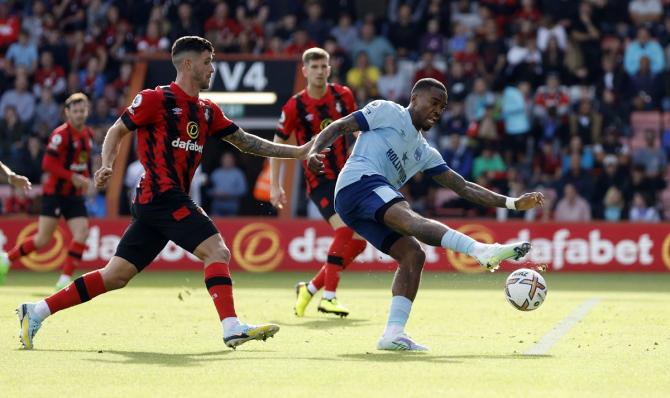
(389, 151)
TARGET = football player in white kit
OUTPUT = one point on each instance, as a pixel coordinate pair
(388, 152)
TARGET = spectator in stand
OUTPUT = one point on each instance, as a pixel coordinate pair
(487, 128)
(392, 85)
(551, 99)
(492, 50)
(13, 133)
(645, 11)
(524, 59)
(577, 176)
(84, 48)
(221, 28)
(577, 149)
(586, 36)
(550, 28)
(516, 116)
(433, 40)
(102, 115)
(255, 10)
(645, 87)
(465, 12)
(22, 54)
(643, 46)
(553, 61)
(476, 101)
(546, 165)
(49, 75)
(47, 111)
(33, 22)
(641, 209)
(300, 42)
(454, 121)
(286, 27)
(404, 33)
(344, 32)
(10, 25)
(640, 183)
(651, 156)
(31, 159)
(154, 41)
(458, 83)
(611, 176)
(377, 47)
(459, 156)
(587, 123)
(317, 28)
(458, 39)
(572, 207)
(613, 205)
(339, 60)
(489, 163)
(428, 69)
(229, 185)
(91, 80)
(20, 98)
(470, 59)
(364, 76)
(612, 78)
(186, 24)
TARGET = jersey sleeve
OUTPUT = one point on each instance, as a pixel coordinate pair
(376, 114)
(221, 125)
(349, 101)
(286, 122)
(52, 162)
(142, 111)
(434, 163)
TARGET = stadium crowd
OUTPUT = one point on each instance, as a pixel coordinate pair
(571, 98)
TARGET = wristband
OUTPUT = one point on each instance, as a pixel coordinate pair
(509, 203)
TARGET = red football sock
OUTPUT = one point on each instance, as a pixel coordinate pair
(320, 278)
(335, 263)
(74, 253)
(79, 291)
(220, 287)
(22, 249)
(352, 250)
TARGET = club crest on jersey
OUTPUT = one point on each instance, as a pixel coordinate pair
(83, 157)
(417, 154)
(192, 130)
(325, 123)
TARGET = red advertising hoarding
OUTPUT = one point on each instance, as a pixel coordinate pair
(264, 244)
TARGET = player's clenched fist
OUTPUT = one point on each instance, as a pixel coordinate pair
(315, 162)
(102, 176)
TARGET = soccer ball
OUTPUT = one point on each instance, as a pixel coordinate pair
(525, 289)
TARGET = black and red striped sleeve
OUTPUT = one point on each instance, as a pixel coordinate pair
(54, 156)
(143, 110)
(348, 98)
(221, 125)
(286, 123)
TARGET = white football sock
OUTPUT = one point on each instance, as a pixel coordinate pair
(312, 289)
(41, 310)
(328, 295)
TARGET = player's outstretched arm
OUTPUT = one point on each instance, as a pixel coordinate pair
(249, 143)
(478, 194)
(14, 179)
(345, 125)
(110, 148)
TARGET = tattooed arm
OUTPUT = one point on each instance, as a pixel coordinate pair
(249, 143)
(346, 125)
(478, 194)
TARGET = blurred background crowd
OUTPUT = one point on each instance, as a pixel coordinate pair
(568, 97)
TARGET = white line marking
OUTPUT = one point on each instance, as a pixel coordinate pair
(562, 328)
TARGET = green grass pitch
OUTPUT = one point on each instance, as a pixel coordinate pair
(160, 336)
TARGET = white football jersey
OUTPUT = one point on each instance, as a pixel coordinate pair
(389, 145)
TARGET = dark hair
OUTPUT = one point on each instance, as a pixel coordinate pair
(75, 99)
(191, 43)
(427, 83)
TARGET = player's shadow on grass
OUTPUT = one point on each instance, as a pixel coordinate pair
(153, 358)
(328, 323)
(413, 356)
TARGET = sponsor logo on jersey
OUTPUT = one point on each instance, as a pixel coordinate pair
(187, 145)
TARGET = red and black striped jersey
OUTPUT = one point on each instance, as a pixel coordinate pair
(172, 128)
(305, 117)
(68, 152)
